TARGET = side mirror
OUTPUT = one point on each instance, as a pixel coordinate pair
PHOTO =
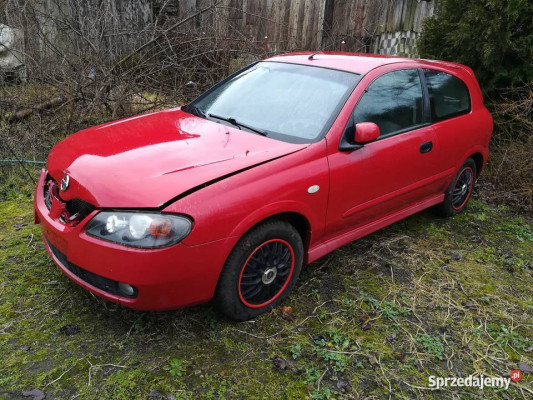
(366, 132)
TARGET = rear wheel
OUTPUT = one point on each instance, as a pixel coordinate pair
(459, 191)
(260, 270)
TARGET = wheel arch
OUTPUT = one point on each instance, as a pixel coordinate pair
(299, 221)
(479, 161)
(293, 215)
(479, 154)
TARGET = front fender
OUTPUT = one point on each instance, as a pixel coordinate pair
(229, 208)
(272, 209)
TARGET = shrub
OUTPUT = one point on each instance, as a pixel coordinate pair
(493, 37)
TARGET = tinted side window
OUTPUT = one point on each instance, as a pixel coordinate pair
(393, 102)
(448, 95)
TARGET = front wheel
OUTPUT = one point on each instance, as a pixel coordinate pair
(459, 191)
(260, 271)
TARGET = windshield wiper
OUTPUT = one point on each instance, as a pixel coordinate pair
(194, 110)
(239, 125)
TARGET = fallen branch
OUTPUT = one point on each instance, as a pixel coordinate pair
(25, 113)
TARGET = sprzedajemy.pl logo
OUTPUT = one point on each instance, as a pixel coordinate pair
(479, 381)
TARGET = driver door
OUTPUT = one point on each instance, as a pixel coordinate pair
(394, 172)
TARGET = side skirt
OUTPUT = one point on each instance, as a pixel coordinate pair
(328, 246)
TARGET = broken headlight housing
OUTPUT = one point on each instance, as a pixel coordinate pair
(148, 230)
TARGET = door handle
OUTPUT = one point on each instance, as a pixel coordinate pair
(426, 147)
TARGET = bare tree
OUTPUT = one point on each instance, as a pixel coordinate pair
(93, 60)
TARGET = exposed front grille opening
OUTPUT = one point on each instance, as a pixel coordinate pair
(50, 190)
(107, 285)
(74, 211)
(76, 206)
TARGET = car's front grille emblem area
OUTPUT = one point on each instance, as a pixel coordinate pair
(99, 282)
(74, 211)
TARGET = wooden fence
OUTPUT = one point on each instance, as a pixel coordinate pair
(58, 30)
(306, 24)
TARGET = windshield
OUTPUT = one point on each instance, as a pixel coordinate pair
(290, 102)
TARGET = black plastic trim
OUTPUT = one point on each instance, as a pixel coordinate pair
(349, 132)
(99, 282)
(425, 96)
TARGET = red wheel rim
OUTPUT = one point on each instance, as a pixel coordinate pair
(266, 273)
(463, 188)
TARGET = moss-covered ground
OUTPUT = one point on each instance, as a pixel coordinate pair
(373, 320)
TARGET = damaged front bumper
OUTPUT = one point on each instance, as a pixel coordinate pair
(164, 278)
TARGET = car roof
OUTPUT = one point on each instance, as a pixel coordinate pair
(358, 63)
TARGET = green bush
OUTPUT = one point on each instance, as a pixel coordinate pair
(493, 37)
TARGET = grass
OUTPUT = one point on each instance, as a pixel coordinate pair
(374, 319)
(431, 345)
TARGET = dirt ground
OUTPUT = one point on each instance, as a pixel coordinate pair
(373, 320)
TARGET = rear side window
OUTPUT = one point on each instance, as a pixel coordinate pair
(448, 95)
(393, 102)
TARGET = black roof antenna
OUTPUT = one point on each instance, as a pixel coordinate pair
(314, 54)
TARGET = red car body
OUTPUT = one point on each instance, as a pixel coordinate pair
(227, 181)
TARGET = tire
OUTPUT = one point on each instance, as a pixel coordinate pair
(260, 271)
(458, 193)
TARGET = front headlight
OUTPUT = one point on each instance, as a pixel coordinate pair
(139, 229)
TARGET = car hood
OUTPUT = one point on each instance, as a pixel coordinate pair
(146, 161)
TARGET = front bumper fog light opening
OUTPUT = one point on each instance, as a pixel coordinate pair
(127, 290)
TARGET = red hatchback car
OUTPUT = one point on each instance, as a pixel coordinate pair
(272, 168)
